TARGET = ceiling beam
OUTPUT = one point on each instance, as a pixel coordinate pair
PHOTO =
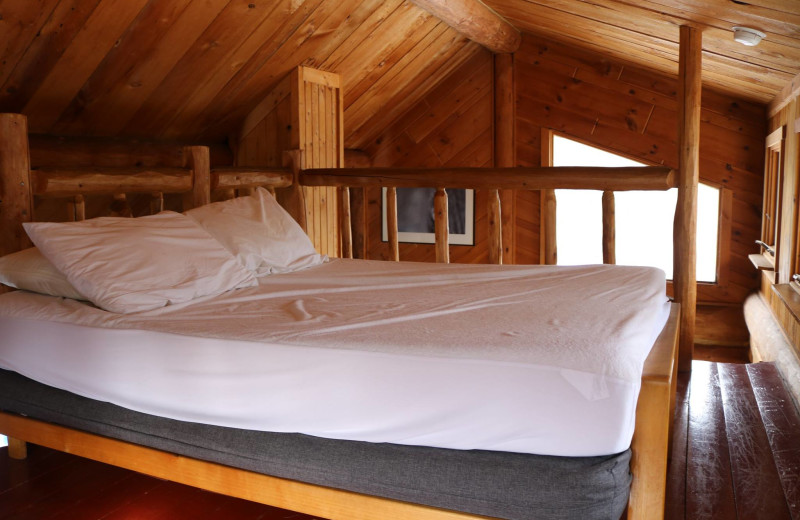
(784, 97)
(476, 21)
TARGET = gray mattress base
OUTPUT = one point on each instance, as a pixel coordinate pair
(498, 484)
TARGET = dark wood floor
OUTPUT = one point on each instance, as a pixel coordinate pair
(725, 464)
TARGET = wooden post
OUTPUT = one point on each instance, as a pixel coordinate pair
(16, 199)
(293, 198)
(198, 159)
(345, 223)
(157, 203)
(358, 221)
(120, 206)
(441, 226)
(391, 223)
(685, 257)
(17, 449)
(495, 228)
(505, 148)
(609, 229)
(550, 256)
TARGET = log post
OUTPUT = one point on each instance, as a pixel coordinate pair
(358, 221)
(17, 449)
(391, 223)
(504, 148)
(685, 256)
(345, 222)
(550, 254)
(495, 228)
(198, 159)
(441, 226)
(157, 203)
(293, 198)
(16, 195)
(609, 229)
(120, 206)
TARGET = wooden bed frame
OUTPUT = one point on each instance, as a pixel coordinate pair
(20, 184)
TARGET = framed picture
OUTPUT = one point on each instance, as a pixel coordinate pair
(415, 216)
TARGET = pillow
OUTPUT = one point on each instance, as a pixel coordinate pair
(30, 271)
(258, 231)
(129, 265)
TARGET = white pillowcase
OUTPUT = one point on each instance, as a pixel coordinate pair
(258, 231)
(29, 270)
(129, 265)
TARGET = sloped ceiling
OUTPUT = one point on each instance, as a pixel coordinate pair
(192, 69)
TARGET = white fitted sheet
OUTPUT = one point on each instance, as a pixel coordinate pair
(531, 359)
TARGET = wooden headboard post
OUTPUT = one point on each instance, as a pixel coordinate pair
(16, 196)
(293, 198)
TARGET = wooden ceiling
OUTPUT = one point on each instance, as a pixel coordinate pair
(192, 69)
(645, 32)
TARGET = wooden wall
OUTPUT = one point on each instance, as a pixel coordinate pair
(784, 299)
(303, 112)
(608, 104)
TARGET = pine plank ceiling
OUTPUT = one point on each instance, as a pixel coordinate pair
(192, 69)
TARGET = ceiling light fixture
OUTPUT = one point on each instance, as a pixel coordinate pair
(748, 36)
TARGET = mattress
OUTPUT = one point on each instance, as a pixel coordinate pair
(524, 359)
(497, 484)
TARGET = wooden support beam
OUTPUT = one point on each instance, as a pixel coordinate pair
(685, 254)
(16, 204)
(609, 229)
(391, 223)
(68, 182)
(197, 159)
(476, 21)
(505, 151)
(520, 178)
(237, 177)
(441, 226)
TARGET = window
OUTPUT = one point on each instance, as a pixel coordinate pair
(644, 219)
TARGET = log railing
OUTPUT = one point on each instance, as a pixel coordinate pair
(493, 179)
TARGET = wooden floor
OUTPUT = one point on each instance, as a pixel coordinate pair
(725, 464)
(736, 446)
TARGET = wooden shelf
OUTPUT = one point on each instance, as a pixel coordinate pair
(762, 262)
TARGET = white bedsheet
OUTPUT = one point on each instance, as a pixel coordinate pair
(531, 359)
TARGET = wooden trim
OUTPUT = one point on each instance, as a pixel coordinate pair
(775, 139)
(476, 21)
(245, 176)
(790, 92)
(68, 182)
(685, 230)
(321, 77)
(762, 262)
(654, 412)
(520, 178)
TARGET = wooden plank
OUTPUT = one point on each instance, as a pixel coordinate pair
(16, 202)
(782, 424)
(522, 178)
(709, 488)
(106, 25)
(757, 485)
(476, 21)
(761, 262)
(685, 229)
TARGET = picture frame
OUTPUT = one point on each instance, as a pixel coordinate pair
(415, 220)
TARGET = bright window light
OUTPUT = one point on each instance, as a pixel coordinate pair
(643, 218)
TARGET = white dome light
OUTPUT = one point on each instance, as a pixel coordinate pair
(748, 36)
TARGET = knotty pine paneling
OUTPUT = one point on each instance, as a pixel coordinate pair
(451, 126)
(632, 111)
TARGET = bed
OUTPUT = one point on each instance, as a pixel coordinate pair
(387, 456)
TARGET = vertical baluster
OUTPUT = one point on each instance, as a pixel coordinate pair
(157, 203)
(495, 228)
(79, 207)
(391, 223)
(120, 207)
(346, 229)
(442, 231)
(550, 256)
(609, 229)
